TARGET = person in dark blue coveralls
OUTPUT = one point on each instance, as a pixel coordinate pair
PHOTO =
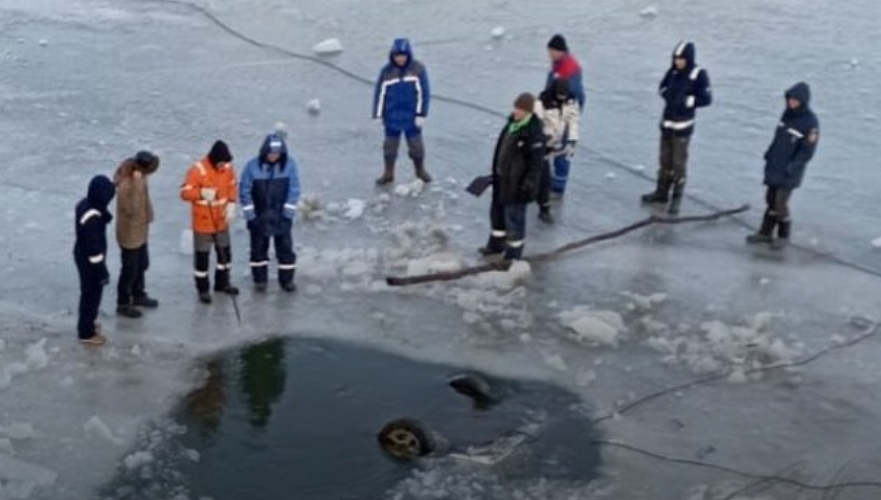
(269, 192)
(90, 255)
(401, 100)
(794, 144)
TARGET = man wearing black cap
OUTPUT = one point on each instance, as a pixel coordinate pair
(212, 190)
(517, 164)
(685, 87)
(564, 66)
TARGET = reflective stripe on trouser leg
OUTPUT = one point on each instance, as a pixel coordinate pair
(201, 271)
(560, 176)
(259, 257)
(287, 258)
(515, 227)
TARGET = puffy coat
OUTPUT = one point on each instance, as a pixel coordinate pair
(568, 69)
(517, 162)
(402, 92)
(794, 142)
(134, 210)
(92, 218)
(209, 217)
(269, 192)
(561, 119)
(683, 92)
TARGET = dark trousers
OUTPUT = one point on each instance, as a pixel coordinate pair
(132, 285)
(284, 251)
(203, 243)
(544, 185)
(415, 144)
(777, 199)
(508, 229)
(673, 169)
(91, 291)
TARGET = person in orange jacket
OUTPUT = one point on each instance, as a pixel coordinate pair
(211, 188)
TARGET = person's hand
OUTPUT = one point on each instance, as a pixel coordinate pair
(689, 102)
(420, 122)
(208, 194)
(570, 149)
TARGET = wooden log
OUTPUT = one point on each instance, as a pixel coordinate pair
(570, 247)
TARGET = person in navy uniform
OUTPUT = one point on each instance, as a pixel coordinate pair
(90, 256)
(269, 191)
(794, 144)
(401, 100)
(685, 88)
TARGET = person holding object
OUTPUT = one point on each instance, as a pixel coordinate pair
(134, 214)
(786, 160)
(400, 104)
(211, 188)
(270, 191)
(90, 256)
(685, 88)
(558, 110)
(517, 163)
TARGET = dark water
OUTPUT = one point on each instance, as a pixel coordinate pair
(298, 419)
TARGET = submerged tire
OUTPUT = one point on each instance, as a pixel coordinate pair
(406, 439)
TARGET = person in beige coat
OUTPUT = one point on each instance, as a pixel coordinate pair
(560, 114)
(134, 214)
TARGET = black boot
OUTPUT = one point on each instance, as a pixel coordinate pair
(783, 230)
(388, 174)
(676, 200)
(421, 173)
(765, 232)
(146, 301)
(661, 194)
(495, 246)
(544, 214)
(128, 311)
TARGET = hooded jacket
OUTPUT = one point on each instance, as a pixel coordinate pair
(402, 92)
(134, 210)
(209, 217)
(795, 142)
(561, 118)
(568, 69)
(683, 92)
(517, 162)
(270, 191)
(92, 218)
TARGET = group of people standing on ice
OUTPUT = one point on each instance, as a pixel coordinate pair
(531, 163)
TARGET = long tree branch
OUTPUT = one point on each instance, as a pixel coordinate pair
(553, 254)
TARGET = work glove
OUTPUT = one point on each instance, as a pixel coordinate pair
(230, 213)
(208, 194)
(420, 122)
(570, 149)
(689, 102)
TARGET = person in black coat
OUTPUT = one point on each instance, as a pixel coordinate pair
(795, 142)
(90, 255)
(685, 87)
(517, 165)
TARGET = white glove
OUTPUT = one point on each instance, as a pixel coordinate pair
(420, 122)
(208, 194)
(689, 101)
(230, 213)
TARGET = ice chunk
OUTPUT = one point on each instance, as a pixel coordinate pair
(594, 327)
(517, 275)
(610, 175)
(556, 362)
(138, 459)
(645, 302)
(877, 242)
(19, 479)
(854, 62)
(442, 262)
(18, 431)
(498, 32)
(355, 209)
(311, 207)
(411, 190)
(649, 12)
(186, 242)
(37, 358)
(329, 47)
(44, 42)
(313, 107)
(136, 350)
(96, 427)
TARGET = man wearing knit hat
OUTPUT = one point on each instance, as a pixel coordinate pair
(517, 164)
(212, 190)
(564, 66)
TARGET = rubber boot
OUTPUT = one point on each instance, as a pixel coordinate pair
(544, 214)
(765, 232)
(783, 231)
(421, 173)
(495, 246)
(388, 174)
(676, 200)
(660, 194)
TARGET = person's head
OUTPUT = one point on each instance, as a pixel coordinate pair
(101, 192)
(146, 162)
(684, 56)
(219, 154)
(798, 97)
(401, 53)
(274, 149)
(557, 47)
(523, 106)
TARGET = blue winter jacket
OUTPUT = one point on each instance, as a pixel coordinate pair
(269, 192)
(794, 142)
(683, 92)
(92, 218)
(402, 92)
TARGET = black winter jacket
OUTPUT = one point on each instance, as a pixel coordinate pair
(683, 92)
(794, 142)
(517, 163)
(92, 217)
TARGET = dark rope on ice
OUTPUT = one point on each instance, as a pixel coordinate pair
(869, 333)
(730, 470)
(208, 14)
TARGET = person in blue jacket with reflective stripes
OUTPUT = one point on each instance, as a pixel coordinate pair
(400, 102)
(269, 192)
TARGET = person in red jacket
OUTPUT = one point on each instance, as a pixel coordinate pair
(211, 188)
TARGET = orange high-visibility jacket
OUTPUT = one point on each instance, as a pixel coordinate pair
(210, 217)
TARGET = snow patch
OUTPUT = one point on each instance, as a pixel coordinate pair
(311, 207)
(354, 209)
(411, 190)
(599, 328)
(138, 459)
(329, 47)
(649, 12)
(97, 428)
